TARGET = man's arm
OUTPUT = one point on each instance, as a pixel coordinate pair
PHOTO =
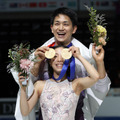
(35, 69)
(103, 84)
(99, 59)
(97, 93)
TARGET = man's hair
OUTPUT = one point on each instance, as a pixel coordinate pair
(65, 11)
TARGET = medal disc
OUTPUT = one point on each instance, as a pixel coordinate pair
(66, 54)
(50, 54)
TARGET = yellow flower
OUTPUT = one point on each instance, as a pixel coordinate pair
(102, 31)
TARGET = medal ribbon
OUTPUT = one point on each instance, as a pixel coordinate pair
(72, 66)
(65, 67)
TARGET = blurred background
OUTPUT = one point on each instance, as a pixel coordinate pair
(29, 21)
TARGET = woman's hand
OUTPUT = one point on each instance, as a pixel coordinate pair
(75, 51)
(21, 79)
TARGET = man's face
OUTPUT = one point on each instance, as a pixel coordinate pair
(63, 29)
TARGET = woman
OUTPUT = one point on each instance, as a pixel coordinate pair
(58, 99)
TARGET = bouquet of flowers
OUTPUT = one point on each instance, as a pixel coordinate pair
(96, 25)
(20, 59)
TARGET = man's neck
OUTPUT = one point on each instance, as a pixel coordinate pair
(62, 43)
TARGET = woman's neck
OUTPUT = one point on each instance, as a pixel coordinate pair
(56, 76)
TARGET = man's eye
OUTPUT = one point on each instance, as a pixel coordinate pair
(56, 24)
(66, 24)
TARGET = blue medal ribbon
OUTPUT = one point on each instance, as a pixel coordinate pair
(72, 69)
(70, 61)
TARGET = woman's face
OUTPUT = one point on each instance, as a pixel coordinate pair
(63, 29)
(57, 62)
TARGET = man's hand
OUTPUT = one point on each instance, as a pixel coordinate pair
(100, 55)
(99, 58)
(40, 56)
(40, 53)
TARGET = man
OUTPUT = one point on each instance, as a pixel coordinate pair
(63, 26)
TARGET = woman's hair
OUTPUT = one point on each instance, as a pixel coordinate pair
(50, 69)
(65, 11)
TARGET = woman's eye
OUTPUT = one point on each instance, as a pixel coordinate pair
(55, 56)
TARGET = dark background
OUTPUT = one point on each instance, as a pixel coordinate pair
(34, 27)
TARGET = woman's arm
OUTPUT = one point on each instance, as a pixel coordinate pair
(26, 105)
(85, 82)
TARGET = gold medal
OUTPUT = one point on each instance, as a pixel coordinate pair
(50, 54)
(66, 54)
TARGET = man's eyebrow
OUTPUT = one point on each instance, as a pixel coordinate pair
(66, 21)
(62, 21)
(57, 21)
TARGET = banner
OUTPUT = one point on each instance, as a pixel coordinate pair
(98, 4)
(7, 107)
(50, 5)
(35, 5)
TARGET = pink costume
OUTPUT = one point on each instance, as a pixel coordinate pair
(58, 101)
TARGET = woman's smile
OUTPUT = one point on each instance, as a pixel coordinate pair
(59, 65)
